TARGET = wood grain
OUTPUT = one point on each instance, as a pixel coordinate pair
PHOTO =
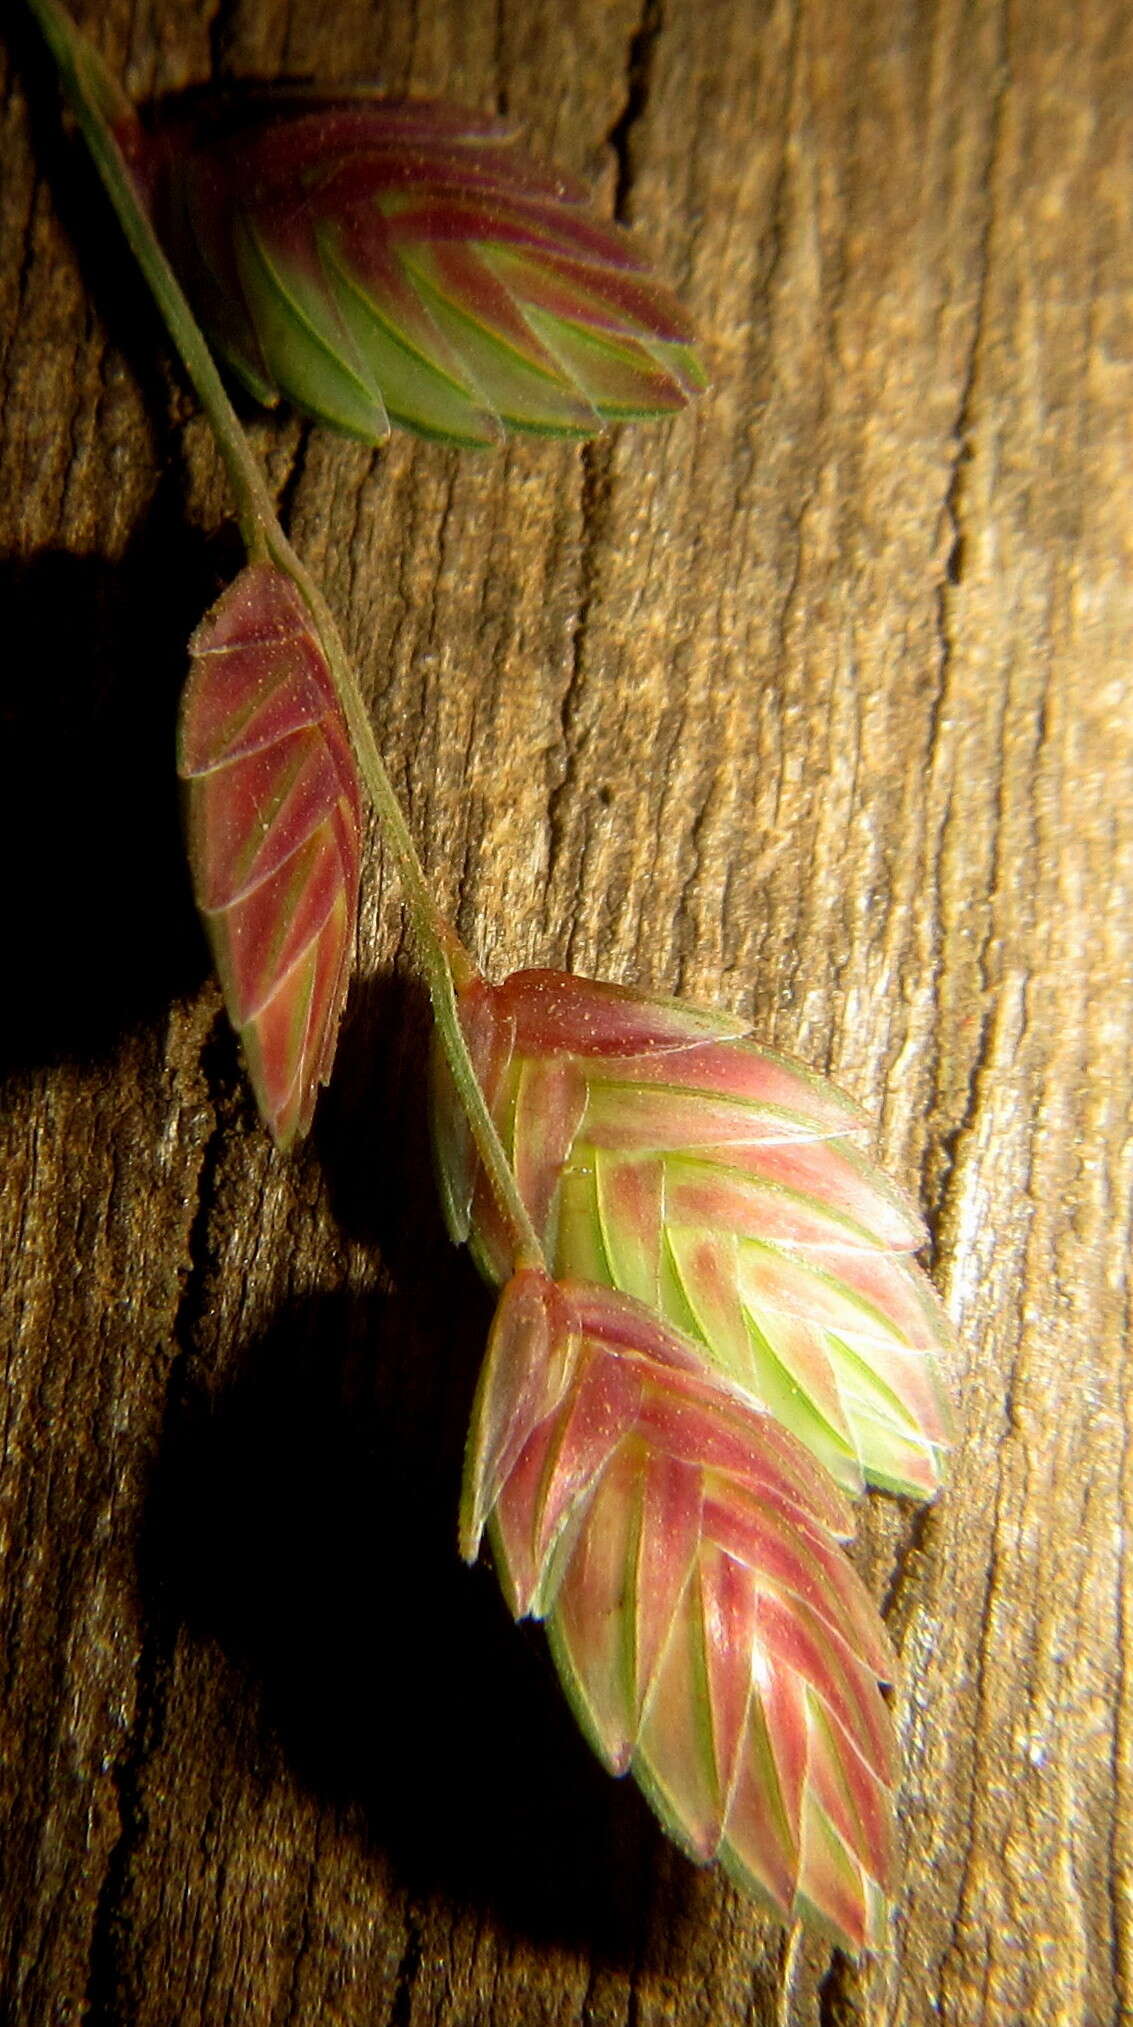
(814, 703)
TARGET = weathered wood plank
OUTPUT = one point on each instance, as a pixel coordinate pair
(813, 703)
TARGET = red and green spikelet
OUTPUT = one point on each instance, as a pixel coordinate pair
(660, 1152)
(684, 1551)
(274, 830)
(406, 261)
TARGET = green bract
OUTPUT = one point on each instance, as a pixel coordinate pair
(684, 1551)
(378, 261)
(273, 813)
(659, 1151)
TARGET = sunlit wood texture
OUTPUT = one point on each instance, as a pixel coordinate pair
(814, 704)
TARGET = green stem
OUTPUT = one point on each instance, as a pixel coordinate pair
(99, 106)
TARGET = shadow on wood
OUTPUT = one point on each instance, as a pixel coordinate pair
(99, 912)
(304, 1518)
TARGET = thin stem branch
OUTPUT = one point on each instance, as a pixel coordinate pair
(99, 106)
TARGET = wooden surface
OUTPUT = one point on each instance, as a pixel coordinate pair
(814, 704)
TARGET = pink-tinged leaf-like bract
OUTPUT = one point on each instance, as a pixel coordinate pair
(383, 260)
(661, 1152)
(274, 829)
(685, 1552)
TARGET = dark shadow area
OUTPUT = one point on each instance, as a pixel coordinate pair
(102, 927)
(100, 919)
(305, 1521)
(371, 1129)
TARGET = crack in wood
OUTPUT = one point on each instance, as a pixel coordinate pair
(941, 1149)
(408, 1969)
(111, 1928)
(1121, 1941)
(294, 476)
(639, 74)
(222, 34)
(594, 509)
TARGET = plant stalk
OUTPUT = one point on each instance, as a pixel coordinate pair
(99, 107)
